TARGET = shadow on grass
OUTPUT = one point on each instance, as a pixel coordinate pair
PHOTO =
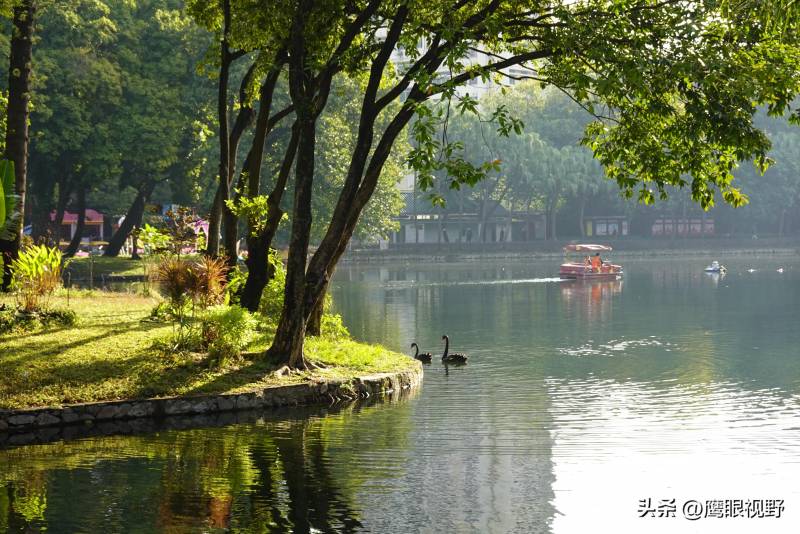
(39, 348)
(253, 369)
(141, 374)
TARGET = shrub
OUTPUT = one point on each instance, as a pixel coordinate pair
(62, 316)
(173, 278)
(236, 280)
(12, 320)
(207, 281)
(272, 297)
(332, 327)
(225, 331)
(153, 240)
(7, 322)
(166, 311)
(180, 229)
(37, 273)
(200, 281)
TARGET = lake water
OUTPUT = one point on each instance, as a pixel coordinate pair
(579, 403)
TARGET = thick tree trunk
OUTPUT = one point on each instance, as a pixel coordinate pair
(19, 91)
(259, 270)
(287, 345)
(76, 239)
(314, 325)
(288, 342)
(304, 289)
(132, 219)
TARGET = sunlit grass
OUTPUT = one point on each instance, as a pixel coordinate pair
(109, 355)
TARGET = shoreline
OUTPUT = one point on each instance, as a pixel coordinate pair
(544, 250)
(18, 427)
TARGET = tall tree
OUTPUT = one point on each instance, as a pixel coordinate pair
(19, 90)
(161, 128)
(655, 75)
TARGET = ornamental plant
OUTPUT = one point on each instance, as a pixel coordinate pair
(9, 216)
(37, 274)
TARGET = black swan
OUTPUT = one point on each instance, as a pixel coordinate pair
(454, 357)
(425, 357)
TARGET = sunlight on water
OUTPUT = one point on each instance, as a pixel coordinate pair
(668, 441)
(616, 347)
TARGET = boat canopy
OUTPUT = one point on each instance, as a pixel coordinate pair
(587, 248)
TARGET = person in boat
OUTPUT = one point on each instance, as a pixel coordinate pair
(597, 262)
(587, 261)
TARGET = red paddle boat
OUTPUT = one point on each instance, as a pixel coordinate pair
(589, 267)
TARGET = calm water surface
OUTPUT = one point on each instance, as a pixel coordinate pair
(579, 400)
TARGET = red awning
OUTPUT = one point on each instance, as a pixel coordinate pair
(92, 216)
(587, 248)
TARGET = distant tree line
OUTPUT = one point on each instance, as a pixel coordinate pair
(545, 169)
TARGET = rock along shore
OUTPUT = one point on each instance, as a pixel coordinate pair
(17, 426)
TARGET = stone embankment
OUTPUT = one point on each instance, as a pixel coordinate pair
(15, 423)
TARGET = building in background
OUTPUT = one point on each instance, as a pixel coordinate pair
(683, 226)
(92, 230)
(461, 222)
(605, 225)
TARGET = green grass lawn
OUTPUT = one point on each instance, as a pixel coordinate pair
(108, 355)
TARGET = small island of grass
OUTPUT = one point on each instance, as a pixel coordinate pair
(113, 352)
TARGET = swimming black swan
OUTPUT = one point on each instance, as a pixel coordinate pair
(425, 357)
(454, 357)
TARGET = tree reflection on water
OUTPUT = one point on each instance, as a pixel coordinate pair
(274, 474)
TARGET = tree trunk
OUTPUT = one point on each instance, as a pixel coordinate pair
(230, 222)
(19, 91)
(288, 342)
(223, 191)
(230, 235)
(214, 224)
(314, 326)
(61, 206)
(40, 206)
(132, 219)
(259, 270)
(76, 239)
(581, 217)
(7, 257)
(551, 221)
(553, 212)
